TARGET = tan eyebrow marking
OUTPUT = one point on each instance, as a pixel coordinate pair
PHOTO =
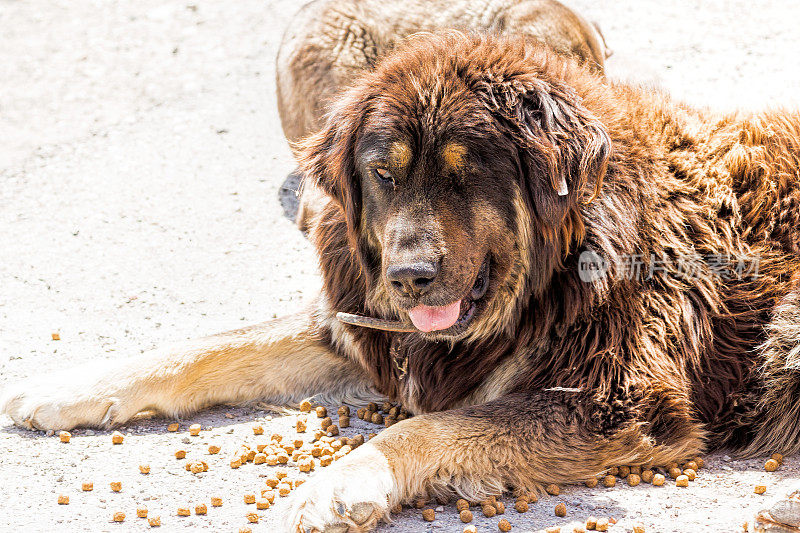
(453, 155)
(400, 155)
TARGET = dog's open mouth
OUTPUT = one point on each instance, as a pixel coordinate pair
(430, 319)
(445, 319)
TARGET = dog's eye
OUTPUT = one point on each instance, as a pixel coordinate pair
(383, 175)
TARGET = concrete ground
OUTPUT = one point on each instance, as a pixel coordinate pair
(140, 162)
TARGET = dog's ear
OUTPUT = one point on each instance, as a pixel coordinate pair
(327, 157)
(563, 148)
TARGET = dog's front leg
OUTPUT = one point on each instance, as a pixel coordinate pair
(519, 442)
(280, 361)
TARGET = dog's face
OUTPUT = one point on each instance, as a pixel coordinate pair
(459, 182)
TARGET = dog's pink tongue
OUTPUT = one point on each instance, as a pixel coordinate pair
(428, 319)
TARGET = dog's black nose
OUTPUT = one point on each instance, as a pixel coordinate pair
(412, 278)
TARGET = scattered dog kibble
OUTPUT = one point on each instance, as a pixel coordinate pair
(591, 523)
(154, 521)
(63, 500)
(262, 504)
(184, 511)
(777, 457)
(321, 411)
(64, 436)
(141, 512)
(553, 529)
(609, 481)
(86, 487)
(300, 426)
(591, 483)
(647, 476)
(249, 498)
(770, 466)
(553, 490)
(55, 336)
(252, 518)
(214, 449)
(429, 515)
(116, 486)
(180, 454)
(602, 524)
(173, 427)
(675, 472)
(343, 410)
(200, 509)
(638, 528)
(691, 474)
(117, 437)
(760, 489)
(465, 515)
(470, 529)
(658, 480)
(462, 504)
(561, 510)
(144, 469)
(119, 517)
(305, 406)
(521, 506)
(504, 525)
(194, 430)
(216, 502)
(682, 481)
(634, 479)
(488, 510)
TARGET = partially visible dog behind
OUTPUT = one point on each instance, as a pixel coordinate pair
(330, 42)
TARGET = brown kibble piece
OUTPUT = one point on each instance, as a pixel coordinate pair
(305, 406)
(325, 422)
(700, 462)
(636, 470)
(504, 525)
(343, 410)
(465, 515)
(154, 521)
(377, 418)
(674, 472)
(141, 512)
(561, 510)
(236, 463)
(195, 468)
(64, 436)
(682, 481)
(691, 474)
(55, 336)
(116, 486)
(63, 500)
(638, 528)
(634, 479)
(117, 437)
(578, 529)
(173, 427)
(86, 487)
(259, 459)
(488, 510)
(609, 481)
(591, 523)
(420, 503)
(470, 529)
(119, 517)
(760, 489)
(553, 489)
(300, 426)
(613, 471)
(344, 421)
(658, 480)
(144, 469)
(180, 454)
(252, 518)
(429, 515)
(262, 504)
(553, 529)
(521, 506)
(249, 498)
(692, 465)
(333, 430)
(200, 509)
(462, 504)
(647, 476)
(214, 449)
(216, 502)
(771, 465)
(184, 511)
(321, 411)
(624, 471)
(602, 524)
(777, 457)
(258, 429)
(592, 482)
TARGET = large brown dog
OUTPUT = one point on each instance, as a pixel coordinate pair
(571, 263)
(330, 42)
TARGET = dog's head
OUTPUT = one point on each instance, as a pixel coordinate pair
(460, 164)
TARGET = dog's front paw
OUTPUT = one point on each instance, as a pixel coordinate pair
(351, 495)
(61, 401)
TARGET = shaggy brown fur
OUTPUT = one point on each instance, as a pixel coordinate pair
(504, 165)
(328, 43)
